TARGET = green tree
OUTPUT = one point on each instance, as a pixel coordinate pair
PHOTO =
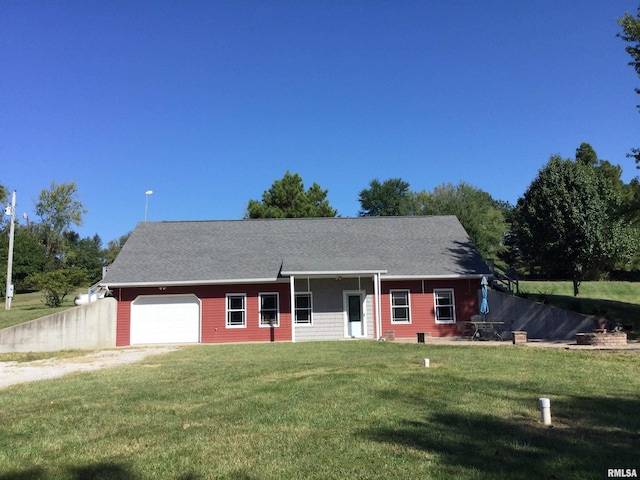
(3, 202)
(28, 257)
(57, 284)
(110, 253)
(481, 216)
(287, 198)
(3, 195)
(586, 155)
(631, 34)
(565, 223)
(58, 209)
(610, 175)
(389, 198)
(86, 254)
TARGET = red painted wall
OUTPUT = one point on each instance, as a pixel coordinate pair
(214, 322)
(213, 312)
(423, 318)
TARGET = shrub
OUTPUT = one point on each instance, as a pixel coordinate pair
(57, 284)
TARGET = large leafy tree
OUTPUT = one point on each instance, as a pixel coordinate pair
(85, 254)
(566, 222)
(389, 198)
(631, 34)
(28, 257)
(58, 209)
(287, 198)
(481, 216)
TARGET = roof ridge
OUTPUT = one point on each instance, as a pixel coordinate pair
(238, 220)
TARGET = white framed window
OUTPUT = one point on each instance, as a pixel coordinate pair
(269, 309)
(400, 306)
(304, 309)
(236, 310)
(445, 305)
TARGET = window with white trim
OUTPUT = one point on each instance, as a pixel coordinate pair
(400, 306)
(236, 310)
(444, 305)
(304, 308)
(269, 311)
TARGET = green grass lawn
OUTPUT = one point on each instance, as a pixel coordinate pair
(330, 410)
(626, 292)
(29, 306)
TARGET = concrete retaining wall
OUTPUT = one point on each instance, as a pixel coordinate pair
(538, 320)
(88, 327)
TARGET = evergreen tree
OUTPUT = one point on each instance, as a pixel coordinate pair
(287, 198)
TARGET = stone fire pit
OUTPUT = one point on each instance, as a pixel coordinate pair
(601, 338)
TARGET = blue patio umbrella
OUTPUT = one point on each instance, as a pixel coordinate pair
(484, 305)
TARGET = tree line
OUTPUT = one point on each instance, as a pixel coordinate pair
(49, 255)
(577, 220)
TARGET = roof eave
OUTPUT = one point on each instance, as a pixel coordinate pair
(330, 273)
(189, 283)
(464, 276)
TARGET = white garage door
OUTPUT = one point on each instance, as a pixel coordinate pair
(165, 319)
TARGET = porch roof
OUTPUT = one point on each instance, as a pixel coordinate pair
(232, 251)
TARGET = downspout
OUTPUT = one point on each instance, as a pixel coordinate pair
(292, 300)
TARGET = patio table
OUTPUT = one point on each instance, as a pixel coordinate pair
(482, 330)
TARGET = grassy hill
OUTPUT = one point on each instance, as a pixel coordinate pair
(616, 301)
(29, 306)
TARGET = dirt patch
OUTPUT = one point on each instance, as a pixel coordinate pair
(12, 373)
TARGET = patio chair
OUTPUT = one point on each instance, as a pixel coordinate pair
(465, 329)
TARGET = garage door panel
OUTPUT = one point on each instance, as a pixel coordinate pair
(165, 319)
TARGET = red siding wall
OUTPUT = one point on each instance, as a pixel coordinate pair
(423, 317)
(213, 314)
(123, 322)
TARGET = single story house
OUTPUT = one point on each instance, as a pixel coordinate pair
(294, 279)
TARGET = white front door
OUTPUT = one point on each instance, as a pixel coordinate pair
(354, 314)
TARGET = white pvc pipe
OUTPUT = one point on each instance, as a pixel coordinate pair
(545, 410)
(426, 363)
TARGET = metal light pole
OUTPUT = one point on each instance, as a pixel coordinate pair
(146, 203)
(10, 210)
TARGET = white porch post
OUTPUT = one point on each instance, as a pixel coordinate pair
(377, 305)
(292, 289)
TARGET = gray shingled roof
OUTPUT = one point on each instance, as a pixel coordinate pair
(203, 252)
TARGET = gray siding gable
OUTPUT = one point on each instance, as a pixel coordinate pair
(203, 252)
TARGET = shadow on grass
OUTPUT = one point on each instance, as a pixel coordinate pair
(589, 436)
(101, 471)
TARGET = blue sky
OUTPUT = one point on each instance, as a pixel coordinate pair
(208, 102)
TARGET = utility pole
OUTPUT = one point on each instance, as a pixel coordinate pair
(10, 210)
